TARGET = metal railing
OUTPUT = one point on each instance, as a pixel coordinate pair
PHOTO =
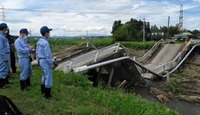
(166, 66)
(175, 63)
(87, 67)
(171, 64)
(91, 57)
(147, 55)
(179, 64)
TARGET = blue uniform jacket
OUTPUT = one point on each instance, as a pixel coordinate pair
(22, 48)
(43, 51)
(4, 46)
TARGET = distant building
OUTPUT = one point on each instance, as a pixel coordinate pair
(158, 32)
(157, 35)
(182, 36)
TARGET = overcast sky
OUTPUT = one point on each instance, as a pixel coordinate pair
(75, 17)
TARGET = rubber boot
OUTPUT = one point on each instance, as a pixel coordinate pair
(7, 82)
(47, 94)
(14, 71)
(2, 84)
(23, 85)
(8, 75)
(28, 82)
(42, 89)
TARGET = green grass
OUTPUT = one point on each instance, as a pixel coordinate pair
(176, 87)
(61, 44)
(139, 48)
(70, 42)
(138, 45)
(73, 94)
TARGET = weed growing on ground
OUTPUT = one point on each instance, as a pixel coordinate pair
(73, 94)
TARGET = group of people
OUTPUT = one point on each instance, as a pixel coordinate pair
(44, 56)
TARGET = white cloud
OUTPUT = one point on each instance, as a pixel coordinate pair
(68, 17)
(196, 1)
(13, 4)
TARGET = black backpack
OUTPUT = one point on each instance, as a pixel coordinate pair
(7, 107)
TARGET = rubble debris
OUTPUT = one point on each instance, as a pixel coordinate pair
(190, 98)
(194, 91)
(161, 98)
(156, 91)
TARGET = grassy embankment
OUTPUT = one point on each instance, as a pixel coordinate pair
(73, 94)
(138, 48)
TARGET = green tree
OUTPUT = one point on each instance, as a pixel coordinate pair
(116, 25)
(133, 27)
(154, 28)
(156, 33)
(147, 31)
(195, 31)
(195, 34)
(121, 34)
(173, 30)
(131, 30)
(165, 30)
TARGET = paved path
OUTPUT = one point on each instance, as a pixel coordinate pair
(167, 53)
(89, 58)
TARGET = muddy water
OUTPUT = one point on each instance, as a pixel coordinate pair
(181, 106)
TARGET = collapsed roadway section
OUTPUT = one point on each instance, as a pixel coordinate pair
(115, 65)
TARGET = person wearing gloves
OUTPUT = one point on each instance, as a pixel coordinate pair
(44, 55)
(4, 56)
(23, 51)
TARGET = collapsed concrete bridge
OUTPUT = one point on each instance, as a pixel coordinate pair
(114, 64)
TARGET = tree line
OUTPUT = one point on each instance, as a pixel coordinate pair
(133, 31)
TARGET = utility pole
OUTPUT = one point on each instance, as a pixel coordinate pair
(87, 34)
(143, 30)
(168, 27)
(105, 33)
(3, 19)
(181, 18)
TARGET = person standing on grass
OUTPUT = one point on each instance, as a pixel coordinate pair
(23, 51)
(4, 56)
(44, 55)
(12, 51)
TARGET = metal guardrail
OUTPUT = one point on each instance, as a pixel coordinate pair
(175, 63)
(179, 64)
(85, 67)
(147, 55)
(91, 57)
(171, 64)
(168, 65)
